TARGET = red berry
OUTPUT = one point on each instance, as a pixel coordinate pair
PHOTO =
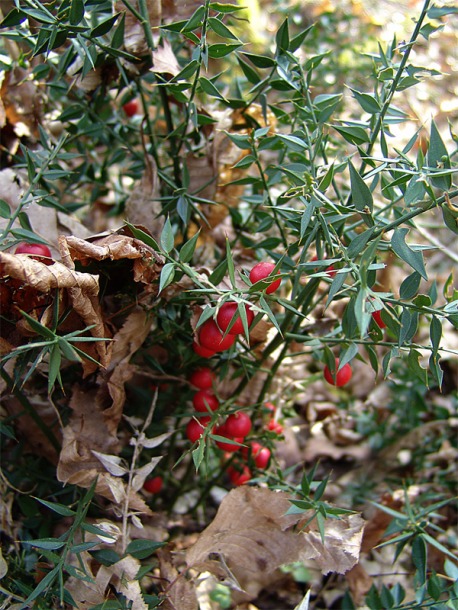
(201, 351)
(275, 426)
(262, 270)
(225, 315)
(202, 378)
(341, 377)
(271, 408)
(39, 252)
(195, 429)
(153, 485)
(131, 107)
(203, 400)
(229, 447)
(330, 271)
(238, 424)
(261, 458)
(239, 478)
(212, 338)
(377, 317)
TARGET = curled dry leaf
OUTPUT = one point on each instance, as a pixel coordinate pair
(147, 263)
(92, 591)
(46, 277)
(251, 536)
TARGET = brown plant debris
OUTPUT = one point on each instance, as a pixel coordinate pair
(252, 535)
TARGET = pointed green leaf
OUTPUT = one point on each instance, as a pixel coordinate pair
(410, 286)
(282, 36)
(411, 257)
(104, 27)
(221, 29)
(210, 89)
(60, 509)
(354, 135)
(438, 158)
(435, 333)
(5, 211)
(260, 61)
(167, 237)
(217, 50)
(360, 192)
(187, 250)
(167, 275)
(367, 101)
(76, 11)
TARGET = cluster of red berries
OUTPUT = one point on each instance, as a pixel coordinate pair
(220, 335)
(205, 401)
(239, 472)
(230, 435)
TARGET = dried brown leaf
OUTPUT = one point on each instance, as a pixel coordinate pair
(164, 60)
(180, 593)
(47, 277)
(147, 262)
(251, 536)
(339, 551)
(143, 206)
(21, 102)
(121, 576)
(93, 428)
(130, 337)
(359, 583)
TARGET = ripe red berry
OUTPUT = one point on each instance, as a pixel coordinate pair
(225, 315)
(238, 424)
(203, 400)
(212, 338)
(271, 408)
(195, 429)
(201, 351)
(275, 426)
(131, 107)
(237, 477)
(261, 457)
(39, 252)
(330, 271)
(229, 447)
(153, 485)
(262, 270)
(377, 317)
(341, 377)
(202, 378)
